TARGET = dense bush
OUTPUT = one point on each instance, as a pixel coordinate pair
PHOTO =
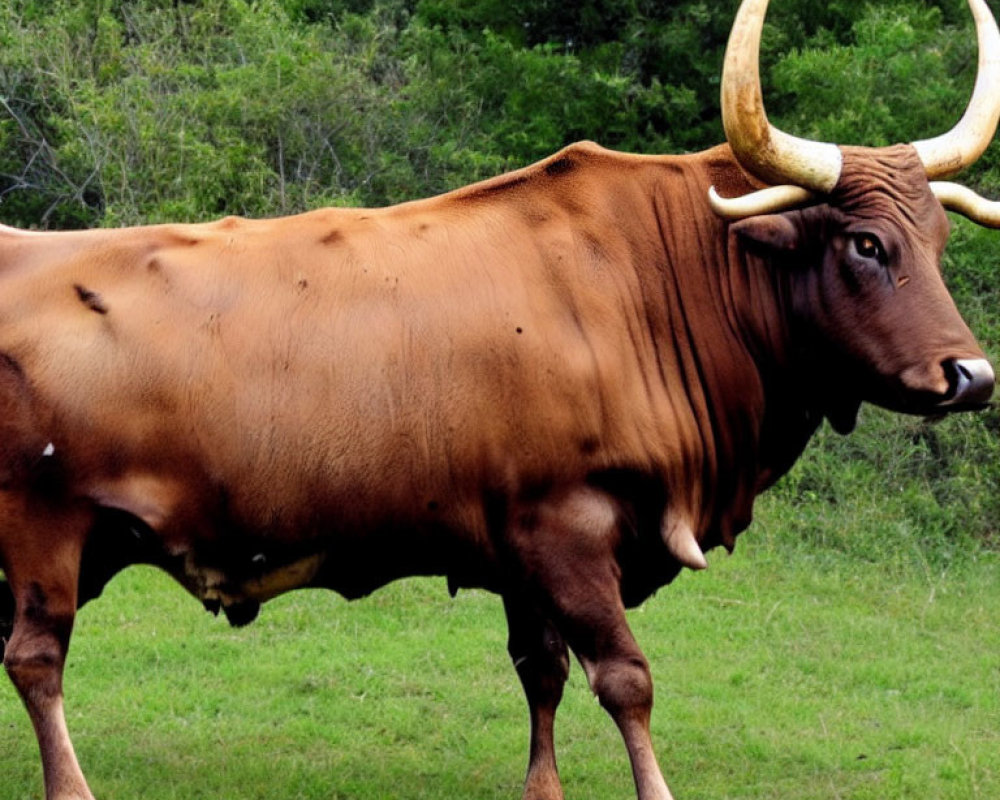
(126, 111)
(119, 112)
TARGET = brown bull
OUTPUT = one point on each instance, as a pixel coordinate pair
(564, 385)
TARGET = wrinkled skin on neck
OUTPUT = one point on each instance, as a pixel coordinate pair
(819, 327)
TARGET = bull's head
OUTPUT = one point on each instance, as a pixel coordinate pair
(873, 285)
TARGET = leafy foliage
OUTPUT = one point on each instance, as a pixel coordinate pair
(120, 112)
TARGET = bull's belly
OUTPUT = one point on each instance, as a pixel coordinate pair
(213, 586)
(237, 573)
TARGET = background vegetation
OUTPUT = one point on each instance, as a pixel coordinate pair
(115, 112)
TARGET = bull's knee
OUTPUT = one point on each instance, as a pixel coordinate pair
(35, 654)
(33, 650)
(624, 686)
(37, 675)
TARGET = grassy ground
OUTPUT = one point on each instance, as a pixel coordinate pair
(780, 672)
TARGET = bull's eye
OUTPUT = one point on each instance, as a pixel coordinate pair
(867, 245)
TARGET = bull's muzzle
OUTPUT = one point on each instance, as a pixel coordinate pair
(971, 380)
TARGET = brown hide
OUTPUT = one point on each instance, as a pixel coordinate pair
(529, 384)
(356, 382)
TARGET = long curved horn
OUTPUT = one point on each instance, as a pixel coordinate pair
(946, 154)
(765, 201)
(963, 200)
(766, 152)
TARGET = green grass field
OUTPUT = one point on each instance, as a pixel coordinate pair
(781, 672)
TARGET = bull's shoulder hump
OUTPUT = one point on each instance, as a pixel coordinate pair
(585, 181)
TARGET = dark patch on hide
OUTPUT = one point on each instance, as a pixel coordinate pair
(91, 300)
(560, 166)
(336, 236)
(494, 187)
(40, 619)
(7, 362)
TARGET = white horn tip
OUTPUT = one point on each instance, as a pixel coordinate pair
(962, 200)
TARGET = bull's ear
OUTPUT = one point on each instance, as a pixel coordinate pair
(773, 232)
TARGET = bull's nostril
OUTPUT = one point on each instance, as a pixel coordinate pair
(971, 381)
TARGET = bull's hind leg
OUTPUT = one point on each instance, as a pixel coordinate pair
(42, 560)
(566, 547)
(542, 663)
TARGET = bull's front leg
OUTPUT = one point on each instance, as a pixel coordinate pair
(541, 659)
(619, 676)
(43, 571)
(566, 547)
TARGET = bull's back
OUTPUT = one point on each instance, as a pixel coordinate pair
(345, 363)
